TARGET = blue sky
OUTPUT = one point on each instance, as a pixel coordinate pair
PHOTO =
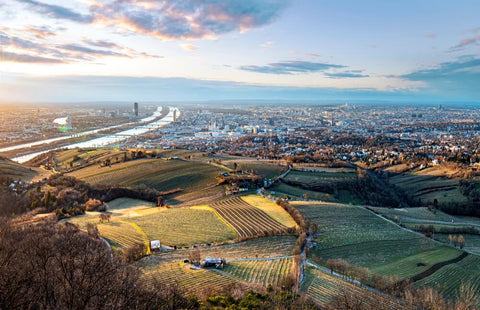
(181, 50)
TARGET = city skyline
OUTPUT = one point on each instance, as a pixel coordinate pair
(59, 51)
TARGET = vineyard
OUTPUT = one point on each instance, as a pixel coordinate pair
(319, 179)
(263, 272)
(246, 219)
(133, 220)
(429, 187)
(324, 289)
(163, 175)
(449, 278)
(263, 247)
(173, 272)
(184, 227)
(271, 208)
(15, 171)
(361, 238)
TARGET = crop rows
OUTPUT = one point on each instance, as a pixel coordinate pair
(246, 219)
(263, 272)
(324, 288)
(449, 278)
(183, 227)
(122, 234)
(191, 281)
(273, 246)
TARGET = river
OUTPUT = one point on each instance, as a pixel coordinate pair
(145, 125)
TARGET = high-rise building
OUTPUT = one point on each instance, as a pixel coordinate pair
(135, 108)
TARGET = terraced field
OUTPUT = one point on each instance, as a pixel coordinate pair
(246, 219)
(449, 278)
(163, 175)
(263, 272)
(260, 167)
(274, 246)
(157, 173)
(426, 187)
(16, 171)
(133, 220)
(324, 289)
(472, 242)
(316, 179)
(174, 272)
(361, 238)
(271, 208)
(184, 227)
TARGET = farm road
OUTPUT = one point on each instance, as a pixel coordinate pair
(420, 221)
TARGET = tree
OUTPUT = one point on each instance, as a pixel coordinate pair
(461, 241)
(194, 256)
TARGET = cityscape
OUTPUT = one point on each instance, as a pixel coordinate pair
(254, 154)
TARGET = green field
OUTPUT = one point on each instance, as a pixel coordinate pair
(472, 242)
(134, 220)
(262, 272)
(361, 238)
(16, 171)
(449, 278)
(426, 188)
(274, 246)
(172, 271)
(260, 167)
(163, 175)
(324, 289)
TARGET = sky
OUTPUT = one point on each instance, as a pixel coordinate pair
(201, 50)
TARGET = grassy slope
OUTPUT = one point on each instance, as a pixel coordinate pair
(195, 178)
(16, 171)
(362, 238)
(272, 209)
(133, 220)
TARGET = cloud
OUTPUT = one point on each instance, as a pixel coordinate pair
(431, 36)
(267, 44)
(461, 76)
(172, 19)
(40, 32)
(291, 67)
(305, 54)
(24, 58)
(349, 74)
(189, 47)
(57, 12)
(28, 50)
(90, 51)
(119, 89)
(466, 42)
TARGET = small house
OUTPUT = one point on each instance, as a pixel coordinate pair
(216, 262)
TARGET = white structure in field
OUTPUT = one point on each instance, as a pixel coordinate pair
(64, 122)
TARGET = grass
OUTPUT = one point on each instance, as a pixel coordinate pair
(323, 289)
(127, 203)
(312, 178)
(362, 238)
(246, 219)
(262, 272)
(164, 175)
(414, 215)
(134, 220)
(260, 167)
(427, 188)
(285, 189)
(449, 278)
(271, 208)
(174, 273)
(472, 242)
(274, 246)
(16, 171)
(414, 264)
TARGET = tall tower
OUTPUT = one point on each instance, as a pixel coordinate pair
(135, 108)
(175, 115)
